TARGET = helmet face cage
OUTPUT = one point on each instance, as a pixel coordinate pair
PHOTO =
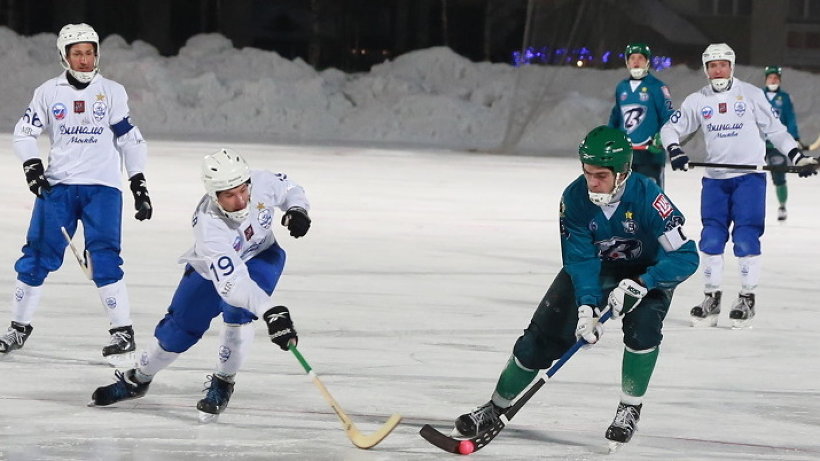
(607, 147)
(719, 52)
(639, 48)
(72, 34)
(224, 170)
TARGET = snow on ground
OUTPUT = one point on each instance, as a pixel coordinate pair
(421, 269)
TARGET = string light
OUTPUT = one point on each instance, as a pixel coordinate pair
(582, 57)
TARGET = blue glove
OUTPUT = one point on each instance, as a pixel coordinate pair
(677, 158)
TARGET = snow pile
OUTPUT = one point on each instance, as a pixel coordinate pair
(432, 97)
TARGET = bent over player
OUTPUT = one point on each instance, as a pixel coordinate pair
(232, 270)
(623, 246)
(86, 117)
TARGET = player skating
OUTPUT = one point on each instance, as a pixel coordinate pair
(734, 117)
(782, 103)
(643, 104)
(623, 248)
(86, 116)
(232, 269)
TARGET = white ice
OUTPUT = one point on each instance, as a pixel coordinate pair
(420, 271)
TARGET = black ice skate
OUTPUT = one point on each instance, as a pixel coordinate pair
(782, 214)
(125, 388)
(217, 395)
(624, 425)
(477, 421)
(15, 337)
(743, 311)
(706, 313)
(120, 350)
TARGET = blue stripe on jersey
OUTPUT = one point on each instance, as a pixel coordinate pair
(122, 127)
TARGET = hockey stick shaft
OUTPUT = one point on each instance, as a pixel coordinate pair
(83, 259)
(774, 168)
(816, 144)
(360, 440)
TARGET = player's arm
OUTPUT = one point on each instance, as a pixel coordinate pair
(677, 257)
(134, 151)
(31, 124)
(680, 124)
(291, 199)
(229, 274)
(580, 256)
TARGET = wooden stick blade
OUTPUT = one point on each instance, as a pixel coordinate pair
(363, 441)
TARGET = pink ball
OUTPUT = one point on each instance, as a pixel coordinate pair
(465, 447)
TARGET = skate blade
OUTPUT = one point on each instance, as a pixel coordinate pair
(127, 360)
(207, 418)
(614, 446)
(705, 322)
(738, 324)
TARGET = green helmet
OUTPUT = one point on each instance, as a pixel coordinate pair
(772, 70)
(641, 48)
(607, 147)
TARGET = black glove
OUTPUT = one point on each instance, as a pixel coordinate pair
(280, 326)
(36, 176)
(677, 158)
(807, 165)
(142, 201)
(297, 221)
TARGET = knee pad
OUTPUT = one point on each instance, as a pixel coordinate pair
(746, 241)
(106, 267)
(713, 240)
(236, 315)
(172, 338)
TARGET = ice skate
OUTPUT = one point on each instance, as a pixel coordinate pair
(125, 388)
(217, 395)
(15, 337)
(477, 421)
(706, 313)
(743, 311)
(624, 425)
(782, 214)
(119, 352)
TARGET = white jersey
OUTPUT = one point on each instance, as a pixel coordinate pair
(90, 132)
(734, 125)
(221, 246)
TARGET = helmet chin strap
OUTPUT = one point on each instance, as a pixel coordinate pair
(605, 198)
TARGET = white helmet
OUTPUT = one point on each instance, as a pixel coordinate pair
(78, 33)
(223, 170)
(719, 52)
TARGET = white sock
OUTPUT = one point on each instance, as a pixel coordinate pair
(712, 272)
(25, 301)
(152, 360)
(234, 344)
(749, 273)
(114, 299)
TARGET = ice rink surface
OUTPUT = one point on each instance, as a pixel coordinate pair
(420, 271)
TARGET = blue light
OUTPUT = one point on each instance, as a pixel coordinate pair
(559, 56)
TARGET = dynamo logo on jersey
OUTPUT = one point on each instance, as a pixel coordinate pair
(59, 110)
(707, 112)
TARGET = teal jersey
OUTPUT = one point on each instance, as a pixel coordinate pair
(782, 104)
(641, 113)
(643, 237)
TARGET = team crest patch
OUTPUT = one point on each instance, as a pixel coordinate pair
(629, 224)
(248, 232)
(58, 110)
(99, 109)
(79, 107)
(224, 353)
(644, 97)
(722, 108)
(623, 96)
(707, 112)
(264, 217)
(740, 108)
(662, 205)
(111, 302)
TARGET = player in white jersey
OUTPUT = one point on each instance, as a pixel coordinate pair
(232, 269)
(734, 117)
(86, 117)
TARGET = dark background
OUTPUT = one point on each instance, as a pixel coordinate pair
(352, 35)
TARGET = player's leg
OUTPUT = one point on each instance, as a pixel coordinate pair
(642, 337)
(42, 254)
(749, 216)
(237, 333)
(194, 304)
(714, 211)
(551, 332)
(774, 157)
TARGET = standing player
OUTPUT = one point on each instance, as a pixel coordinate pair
(231, 270)
(782, 104)
(734, 117)
(86, 116)
(623, 246)
(642, 105)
